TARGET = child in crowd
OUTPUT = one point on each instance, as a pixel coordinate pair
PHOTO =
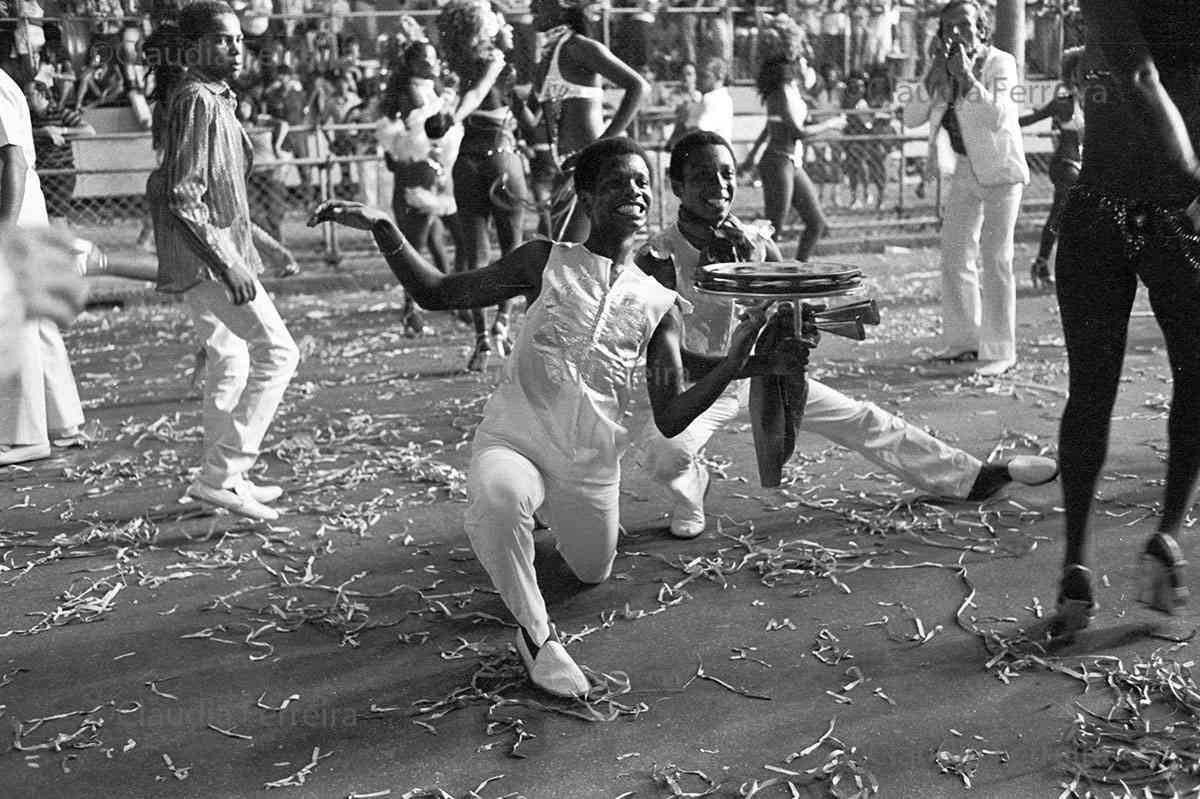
(702, 172)
(552, 434)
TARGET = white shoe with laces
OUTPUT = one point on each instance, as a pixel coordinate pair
(552, 669)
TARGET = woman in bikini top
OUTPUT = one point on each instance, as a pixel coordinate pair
(570, 97)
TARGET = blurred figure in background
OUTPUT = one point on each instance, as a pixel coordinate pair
(1066, 118)
(39, 403)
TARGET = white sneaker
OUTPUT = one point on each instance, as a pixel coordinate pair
(264, 494)
(553, 670)
(23, 453)
(995, 368)
(688, 520)
(235, 500)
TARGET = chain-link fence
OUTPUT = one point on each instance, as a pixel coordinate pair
(871, 180)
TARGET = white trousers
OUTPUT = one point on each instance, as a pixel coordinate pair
(251, 359)
(881, 437)
(40, 397)
(505, 488)
(979, 294)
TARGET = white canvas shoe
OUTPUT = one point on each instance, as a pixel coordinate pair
(23, 453)
(553, 670)
(235, 500)
(266, 494)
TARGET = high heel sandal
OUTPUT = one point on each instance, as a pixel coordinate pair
(414, 325)
(1076, 609)
(1039, 273)
(501, 343)
(1161, 575)
(479, 358)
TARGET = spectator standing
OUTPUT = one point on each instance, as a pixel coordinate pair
(53, 128)
(39, 403)
(713, 111)
(967, 92)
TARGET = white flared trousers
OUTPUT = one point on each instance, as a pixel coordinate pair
(251, 358)
(979, 293)
(505, 488)
(881, 437)
(40, 397)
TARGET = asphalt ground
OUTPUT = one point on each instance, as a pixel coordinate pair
(840, 636)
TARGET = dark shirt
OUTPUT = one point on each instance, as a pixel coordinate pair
(952, 128)
(49, 154)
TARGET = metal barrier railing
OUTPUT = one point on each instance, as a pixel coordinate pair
(885, 173)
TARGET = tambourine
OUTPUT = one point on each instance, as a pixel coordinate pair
(782, 279)
(800, 282)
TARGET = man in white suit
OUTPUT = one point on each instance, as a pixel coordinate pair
(968, 92)
(39, 402)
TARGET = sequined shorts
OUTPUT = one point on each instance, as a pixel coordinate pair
(1142, 224)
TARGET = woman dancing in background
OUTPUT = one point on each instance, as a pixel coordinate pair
(1133, 215)
(570, 96)
(489, 176)
(418, 205)
(1066, 114)
(781, 76)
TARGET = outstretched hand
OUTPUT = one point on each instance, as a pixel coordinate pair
(348, 213)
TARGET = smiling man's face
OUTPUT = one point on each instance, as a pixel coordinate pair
(621, 199)
(709, 181)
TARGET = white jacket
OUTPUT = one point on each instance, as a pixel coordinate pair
(987, 118)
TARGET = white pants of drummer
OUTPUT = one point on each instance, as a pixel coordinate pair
(505, 488)
(881, 437)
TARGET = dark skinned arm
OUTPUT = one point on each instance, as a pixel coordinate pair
(599, 59)
(1120, 40)
(517, 274)
(697, 365)
(675, 408)
(1038, 115)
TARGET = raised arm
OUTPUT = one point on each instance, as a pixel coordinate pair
(516, 274)
(1115, 30)
(472, 98)
(1037, 116)
(596, 57)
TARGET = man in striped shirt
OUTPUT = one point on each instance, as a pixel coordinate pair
(206, 252)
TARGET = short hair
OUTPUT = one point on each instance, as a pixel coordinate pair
(982, 19)
(596, 156)
(198, 18)
(688, 144)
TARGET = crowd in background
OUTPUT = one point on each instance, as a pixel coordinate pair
(323, 70)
